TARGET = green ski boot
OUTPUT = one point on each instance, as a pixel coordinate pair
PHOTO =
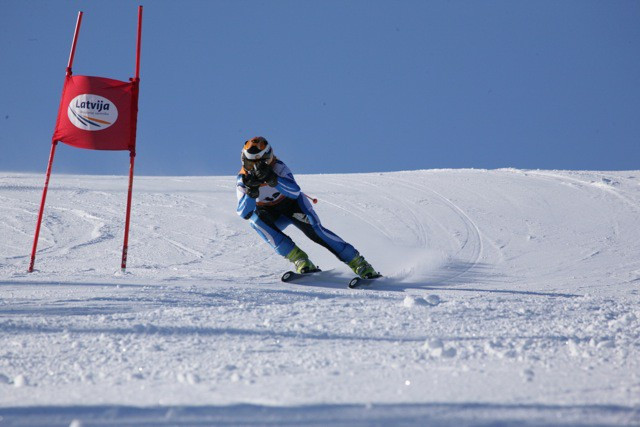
(301, 261)
(362, 268)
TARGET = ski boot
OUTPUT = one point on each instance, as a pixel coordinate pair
(362, 268)
(301, 260)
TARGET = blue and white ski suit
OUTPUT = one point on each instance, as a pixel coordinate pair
(278, 207)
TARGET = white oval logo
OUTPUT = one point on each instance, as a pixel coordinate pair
(92, 112)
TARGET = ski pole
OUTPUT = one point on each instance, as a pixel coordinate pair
(310, 198)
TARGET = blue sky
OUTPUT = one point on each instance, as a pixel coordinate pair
(336, 86)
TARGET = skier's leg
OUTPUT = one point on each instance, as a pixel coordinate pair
(308, 221)
(266, 228)
(270, 229)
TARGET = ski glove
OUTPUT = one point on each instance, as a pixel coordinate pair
(253, 192)
(252, 185)
(265, 173)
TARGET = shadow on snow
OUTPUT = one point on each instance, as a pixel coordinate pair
(453, 276)
(432, 414)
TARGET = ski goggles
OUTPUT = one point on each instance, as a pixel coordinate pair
(250, 164)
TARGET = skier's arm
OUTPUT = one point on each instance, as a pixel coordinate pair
(246, 205)
(288, 187)
(286, 183)
(279, 177)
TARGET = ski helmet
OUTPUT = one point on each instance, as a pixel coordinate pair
(256, 150)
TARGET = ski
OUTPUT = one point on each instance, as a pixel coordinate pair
(359, 282)
(292, 276)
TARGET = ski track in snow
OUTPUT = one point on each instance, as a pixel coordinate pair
(472, 241)
(510, 297)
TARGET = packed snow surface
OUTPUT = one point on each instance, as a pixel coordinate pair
(509, 297)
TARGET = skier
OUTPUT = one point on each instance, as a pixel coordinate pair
(270, 198)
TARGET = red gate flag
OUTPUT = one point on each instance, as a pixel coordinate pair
(98, 113)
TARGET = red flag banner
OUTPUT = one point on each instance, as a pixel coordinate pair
(98, 113)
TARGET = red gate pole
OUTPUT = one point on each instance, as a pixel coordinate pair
(125, 246)
(132, 153)
(72, 54)
(138, 42)
(44, 198)
(53, 151)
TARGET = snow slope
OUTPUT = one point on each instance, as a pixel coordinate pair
(510, 297)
